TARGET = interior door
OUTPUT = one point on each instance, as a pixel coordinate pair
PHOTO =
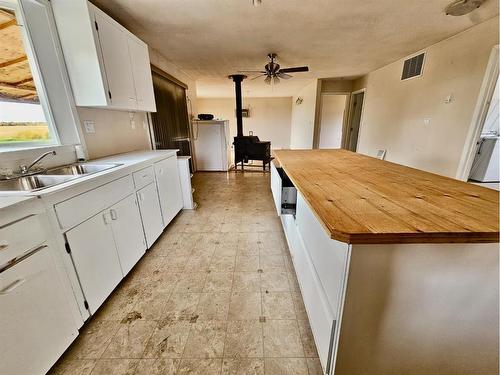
(333, 107)
(169, 188)
(357, 108)
(115, 53)
(96, 261)
(36, 323)
(139, 57)
(128, 232)
(150, 212)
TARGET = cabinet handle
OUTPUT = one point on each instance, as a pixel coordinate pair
(105, 218)
(160, 171)
(9, 288)
(3, 245)
(114, 216)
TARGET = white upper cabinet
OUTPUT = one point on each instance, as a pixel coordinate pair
(141, 69)
(116, 59)
(108, 66)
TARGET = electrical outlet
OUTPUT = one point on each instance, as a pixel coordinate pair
(89, 126)
(427, 121)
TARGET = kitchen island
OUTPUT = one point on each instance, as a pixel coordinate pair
(398, 267)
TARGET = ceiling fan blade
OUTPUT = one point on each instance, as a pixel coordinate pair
(284, 75)
(295, 70)
(268, 80)
(260, 75)
(251, 71)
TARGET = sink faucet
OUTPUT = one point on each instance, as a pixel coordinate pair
(26, 168)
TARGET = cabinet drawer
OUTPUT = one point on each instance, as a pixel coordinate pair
(328, 256)
(20, 236)
(143, 177)
(78, 209)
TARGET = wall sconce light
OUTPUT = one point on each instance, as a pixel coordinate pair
(299, 100)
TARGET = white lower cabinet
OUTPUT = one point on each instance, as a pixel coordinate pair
(36, 323)
(321, 265)
(169, 188)
(95, 258)
(127, 232)
(150, 212)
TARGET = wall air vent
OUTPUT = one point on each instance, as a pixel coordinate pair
(413, 67)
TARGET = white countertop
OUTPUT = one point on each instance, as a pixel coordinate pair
(8, 201)
(131, 162)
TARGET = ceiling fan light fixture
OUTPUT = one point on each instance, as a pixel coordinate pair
(257, 3)
(268, 80)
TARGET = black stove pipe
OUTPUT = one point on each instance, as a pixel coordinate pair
(237, 79)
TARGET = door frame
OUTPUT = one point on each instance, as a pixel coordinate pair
(348, 122)
(317, 127)
(487, 87)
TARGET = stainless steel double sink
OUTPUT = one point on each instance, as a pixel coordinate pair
(51, 177)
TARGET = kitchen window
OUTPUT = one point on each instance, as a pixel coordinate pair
(36, 103)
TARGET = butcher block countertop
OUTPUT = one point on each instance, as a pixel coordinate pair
(361, 200)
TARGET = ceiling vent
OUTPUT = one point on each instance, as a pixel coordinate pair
(413, 67)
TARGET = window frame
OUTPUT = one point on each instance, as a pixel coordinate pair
(49, 74)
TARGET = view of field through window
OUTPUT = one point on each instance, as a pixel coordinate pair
(22, 118)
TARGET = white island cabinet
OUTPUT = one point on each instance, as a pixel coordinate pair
(108, 66)
(384, 264)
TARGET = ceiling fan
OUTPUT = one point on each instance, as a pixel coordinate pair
(273, 71)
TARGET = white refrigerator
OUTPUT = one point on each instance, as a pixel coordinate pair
(212, 145)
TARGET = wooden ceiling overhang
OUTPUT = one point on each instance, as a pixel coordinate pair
(16, 79)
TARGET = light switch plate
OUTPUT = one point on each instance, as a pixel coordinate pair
(89, 126)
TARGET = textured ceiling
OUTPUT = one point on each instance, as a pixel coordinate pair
(210, 39)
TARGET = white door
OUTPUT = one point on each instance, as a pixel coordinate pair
(150, 212)
(209, 146)
(96, 261)
(169, 188)
(36, 323)
(128, 232)
(114, 48)
(141, 69)
(332, 120)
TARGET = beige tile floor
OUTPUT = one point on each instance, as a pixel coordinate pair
(216, 294)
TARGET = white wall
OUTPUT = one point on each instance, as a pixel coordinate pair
(332, 119)
(303, 116)
(395, 111)
(270, 118)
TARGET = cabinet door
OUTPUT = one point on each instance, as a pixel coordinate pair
(36, 323)
(96, 261)
(115, 54)
(150, 213)
(141, 69)
(128, 232)
(169, 188)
